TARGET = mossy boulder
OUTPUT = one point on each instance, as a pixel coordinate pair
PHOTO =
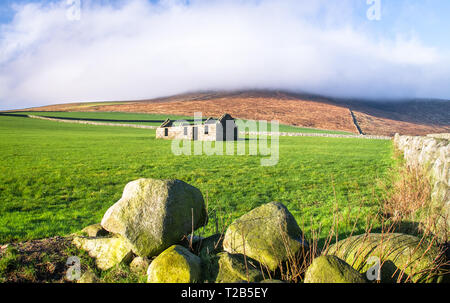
(235, 268)
(139, 265)
(402, 257)
(107, 251)
(88, 277)
(175, 265)
(331, 269)
(268, 234)
(155, 214)
(95, 230)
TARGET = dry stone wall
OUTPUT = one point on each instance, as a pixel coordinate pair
(431, 153)
(287, 134)
(93, 123)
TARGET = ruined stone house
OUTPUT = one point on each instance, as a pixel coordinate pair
(223, 129)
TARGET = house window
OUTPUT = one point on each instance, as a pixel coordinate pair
(185, 131)
(206, 130)
(166, 132)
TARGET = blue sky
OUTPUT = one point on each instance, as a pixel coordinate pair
(427, 18)
(140, 49)
(7, 8)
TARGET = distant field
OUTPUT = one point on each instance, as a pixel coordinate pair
(56, 178)
(156, 119)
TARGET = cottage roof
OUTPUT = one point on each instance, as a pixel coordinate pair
(167, 123)
(222, 120)
(210, 120)
(225, 117)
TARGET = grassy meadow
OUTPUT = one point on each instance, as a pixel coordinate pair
(56, 178)
(156, 120)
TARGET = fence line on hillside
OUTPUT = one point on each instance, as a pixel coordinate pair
(281, 134)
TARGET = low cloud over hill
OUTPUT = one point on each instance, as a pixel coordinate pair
(128, 50)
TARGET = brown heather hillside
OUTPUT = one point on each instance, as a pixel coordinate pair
(407, 117)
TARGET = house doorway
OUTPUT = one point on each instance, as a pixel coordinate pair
(195, 133)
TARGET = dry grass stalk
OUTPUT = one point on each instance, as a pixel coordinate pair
(410, 193)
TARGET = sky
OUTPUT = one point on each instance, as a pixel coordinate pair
(104, 50)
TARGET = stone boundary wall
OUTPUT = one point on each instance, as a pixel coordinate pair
(431, 153)
(355, 122)
(281, 134)
(440, 136)
(284, 134)
(94, 123)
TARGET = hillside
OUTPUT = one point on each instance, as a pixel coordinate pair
(411, 117)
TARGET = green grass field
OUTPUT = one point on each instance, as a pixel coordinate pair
(130, 118)
(56, 178)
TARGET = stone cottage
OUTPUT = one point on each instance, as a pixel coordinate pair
(223, 129)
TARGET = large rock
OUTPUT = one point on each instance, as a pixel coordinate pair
(175, 265)
(398, 253)
(268, 234)
(236, 268)
(331, 269)
(107, 251)
(154, 214)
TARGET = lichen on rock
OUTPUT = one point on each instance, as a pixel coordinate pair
(107, 251)
(235, 268)
(402, 257)
(268, 234)
(155, 214)
(175, 265)
(331, 269)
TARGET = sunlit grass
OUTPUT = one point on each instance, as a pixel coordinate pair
(56, 178)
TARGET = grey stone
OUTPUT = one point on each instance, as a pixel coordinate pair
(155, 214)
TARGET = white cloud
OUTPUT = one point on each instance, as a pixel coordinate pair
(138, 50)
